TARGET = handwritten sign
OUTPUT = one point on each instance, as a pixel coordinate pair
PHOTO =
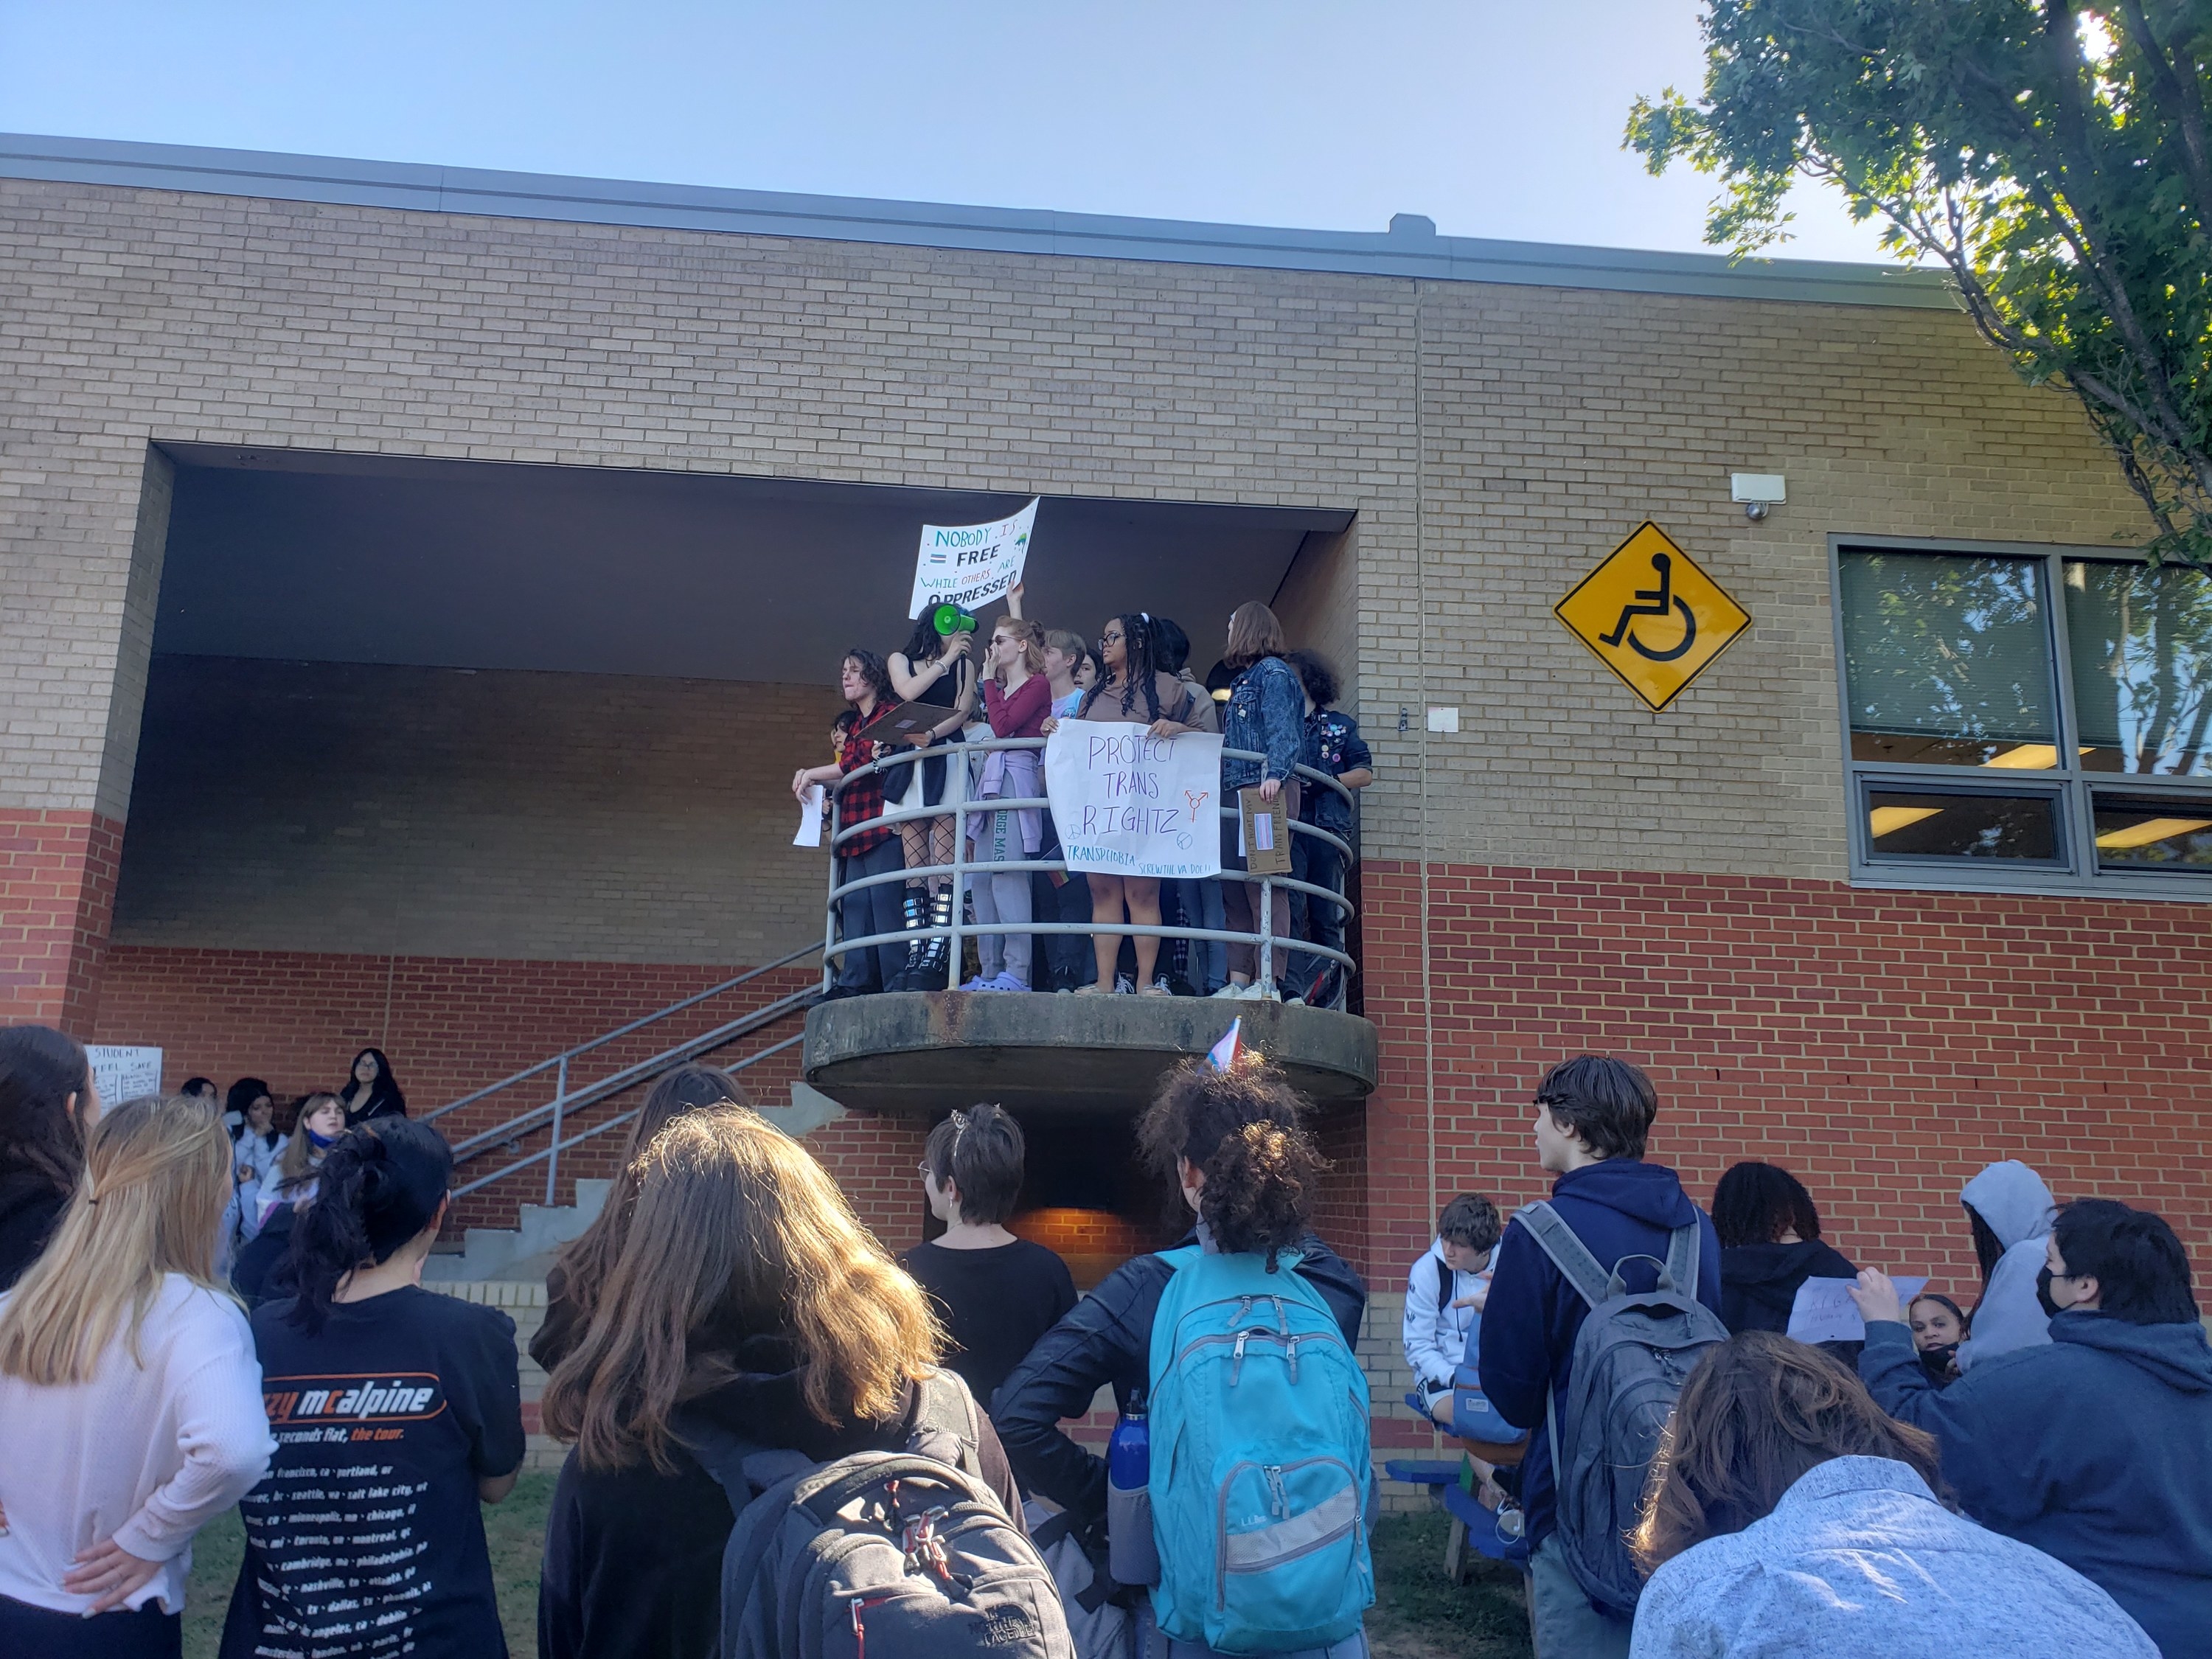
(1128, 804)
(122, 1073)
(1824, 1311)
(969, 564)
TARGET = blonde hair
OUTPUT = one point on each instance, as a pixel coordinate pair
(737, 1232)
(302, 1155)
(1031, 635)
(156, 1176)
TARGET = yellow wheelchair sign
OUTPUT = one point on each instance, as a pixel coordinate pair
(1650, 615)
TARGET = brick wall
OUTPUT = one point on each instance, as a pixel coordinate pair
(436, 812)
(56, 888)
(1884, 1046)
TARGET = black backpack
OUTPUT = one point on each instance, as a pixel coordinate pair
(881, 1555)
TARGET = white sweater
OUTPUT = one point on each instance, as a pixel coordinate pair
(143, 1454)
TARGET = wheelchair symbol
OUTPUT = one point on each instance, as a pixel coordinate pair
(1655, 602)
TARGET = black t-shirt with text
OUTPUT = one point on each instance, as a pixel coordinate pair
(366, 1536)
(995, 1303)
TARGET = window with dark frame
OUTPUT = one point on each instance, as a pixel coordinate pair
(2001, 736)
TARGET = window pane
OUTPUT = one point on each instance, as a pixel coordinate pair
(2140, 640)
(1925, 824)
(2136, 832)
(1947, 659)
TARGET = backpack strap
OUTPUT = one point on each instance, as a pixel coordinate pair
(1682, 1259)
(1569, 1254)
(946, 1421)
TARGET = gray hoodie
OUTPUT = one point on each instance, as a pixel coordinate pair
(2013, 1200)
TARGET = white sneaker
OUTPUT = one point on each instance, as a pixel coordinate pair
(1232, 990)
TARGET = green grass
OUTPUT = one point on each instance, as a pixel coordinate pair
(514, 1530)
(1420, 1614)
(1417, 1614)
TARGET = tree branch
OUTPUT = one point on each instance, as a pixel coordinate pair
(2183, 104)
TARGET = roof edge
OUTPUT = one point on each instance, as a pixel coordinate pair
(1410, 248)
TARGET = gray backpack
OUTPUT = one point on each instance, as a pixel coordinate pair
(880, 1555)
(1635, 1351)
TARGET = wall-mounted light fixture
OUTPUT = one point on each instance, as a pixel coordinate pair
(1757, 491)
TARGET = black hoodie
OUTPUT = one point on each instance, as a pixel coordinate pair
(1759, 1282)
(634, 1557)
(30, 1208)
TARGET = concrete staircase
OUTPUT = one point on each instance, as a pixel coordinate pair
(523, 1251)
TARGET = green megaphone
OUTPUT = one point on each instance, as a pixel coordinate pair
(951, 619)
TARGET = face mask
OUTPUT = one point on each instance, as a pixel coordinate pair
(1940, 1358)
(2043, 1293)
(320, 1141)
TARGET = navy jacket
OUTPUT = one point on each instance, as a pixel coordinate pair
(1622, 1206)
(2096, 1449)
(1107, 1338)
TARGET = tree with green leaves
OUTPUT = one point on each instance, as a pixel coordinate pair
(2053, 155)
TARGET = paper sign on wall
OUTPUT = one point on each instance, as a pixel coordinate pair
(121, 1072)
(1267, 841)
(1129, 804)
(968, 565)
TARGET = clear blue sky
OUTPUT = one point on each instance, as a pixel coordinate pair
(1495, 118)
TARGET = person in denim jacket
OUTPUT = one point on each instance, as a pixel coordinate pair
(1266, 713)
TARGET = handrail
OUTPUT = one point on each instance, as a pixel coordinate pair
(691, 1002)
(553, 1149)
(958, 806)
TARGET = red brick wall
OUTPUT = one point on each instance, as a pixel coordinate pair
(57, 898)
(1882, 1045)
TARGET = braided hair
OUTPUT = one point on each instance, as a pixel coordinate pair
(1140, 669)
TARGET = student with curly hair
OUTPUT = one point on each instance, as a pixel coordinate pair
(1788, 1517)
(1770, 1243)
(1233, 1145)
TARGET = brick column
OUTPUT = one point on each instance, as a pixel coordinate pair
(56, 893)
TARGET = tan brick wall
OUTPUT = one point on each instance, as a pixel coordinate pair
(436, 812)
(1545, 423)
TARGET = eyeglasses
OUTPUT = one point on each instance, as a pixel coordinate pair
(1111, 639)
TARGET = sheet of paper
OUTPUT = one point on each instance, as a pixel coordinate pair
(1824, 1311)
(124, 1071)
(810, 817)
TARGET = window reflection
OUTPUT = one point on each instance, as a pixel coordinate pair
(2141, 833)
(2140, 638)
(1947, 660)
(1914, 823)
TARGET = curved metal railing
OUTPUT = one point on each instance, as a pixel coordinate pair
(958, 806)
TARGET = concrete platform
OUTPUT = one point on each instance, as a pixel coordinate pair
(918, 1051)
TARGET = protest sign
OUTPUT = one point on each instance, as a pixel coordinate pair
(1824, 1311)
(968, 565)
(1128, 804)
(1265, 835)
(122, 1073)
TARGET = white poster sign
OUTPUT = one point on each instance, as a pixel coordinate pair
(122, 1073)
(1824, 1311)
(1128, 804)
(968, 565)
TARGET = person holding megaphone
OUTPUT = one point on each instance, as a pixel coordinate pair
(937, 668)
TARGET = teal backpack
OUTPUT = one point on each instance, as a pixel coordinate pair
(1260, 1467)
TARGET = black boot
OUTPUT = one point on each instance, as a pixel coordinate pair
(903, 979)
(929, 974)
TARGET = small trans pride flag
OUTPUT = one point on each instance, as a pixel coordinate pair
(1223, 1054)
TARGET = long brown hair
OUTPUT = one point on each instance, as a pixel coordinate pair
(301, 1156)
(1254, 632)
(1758, 1413)
(1244, 1129)
(736, 1232)
(586, 1262)
(157, 1177)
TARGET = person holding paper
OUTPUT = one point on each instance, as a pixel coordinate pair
(1770, 1243)
(935, 669)
(873, 910)
(2096, 1446)
(1265, 714)
(1134, 689)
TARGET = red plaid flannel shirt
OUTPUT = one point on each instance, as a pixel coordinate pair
(860, 799)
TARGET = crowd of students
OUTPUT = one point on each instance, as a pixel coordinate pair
(1268, 700)
(755, 1396)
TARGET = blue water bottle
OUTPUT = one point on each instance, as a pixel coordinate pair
(1132, 1556)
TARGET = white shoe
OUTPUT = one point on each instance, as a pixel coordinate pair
(1232, 990)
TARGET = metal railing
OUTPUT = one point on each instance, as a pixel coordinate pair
(958, 806)
(566, 1099)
